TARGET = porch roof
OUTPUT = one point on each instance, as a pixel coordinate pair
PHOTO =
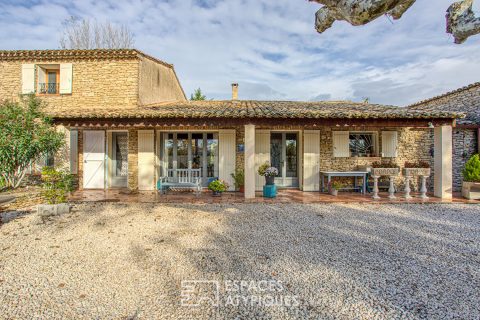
(254, 109)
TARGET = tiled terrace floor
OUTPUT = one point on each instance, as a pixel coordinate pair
(284, 196)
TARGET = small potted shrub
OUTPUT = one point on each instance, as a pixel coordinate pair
(239, 180)
(268, 172)
(471, 178)
(218, 187)
(419, 168)
(334, 187)
(56, 187)
(385, 169)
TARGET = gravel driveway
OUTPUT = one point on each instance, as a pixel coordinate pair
(338, 261)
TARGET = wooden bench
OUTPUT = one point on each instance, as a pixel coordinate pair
(181, 180)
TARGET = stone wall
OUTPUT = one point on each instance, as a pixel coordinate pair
(95, 84)
(158, 83)
(465, 144)
(132, 159)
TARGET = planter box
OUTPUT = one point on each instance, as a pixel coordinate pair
(385, 171)
(416, 172)
(471, 190)
(47, 210)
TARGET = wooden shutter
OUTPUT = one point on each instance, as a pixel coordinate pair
(389, 144)
(146, 160)
(311, 160)
(341, 144)
(227, 156)
(73, 151)
(65, 78)
(262, 154)
(28, 78)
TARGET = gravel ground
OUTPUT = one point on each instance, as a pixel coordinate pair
(338, 261)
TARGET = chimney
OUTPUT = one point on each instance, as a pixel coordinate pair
(234, 91)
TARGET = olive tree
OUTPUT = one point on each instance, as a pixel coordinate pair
(26, 135)
(461, 20)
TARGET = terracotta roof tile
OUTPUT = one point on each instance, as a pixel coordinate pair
(255, 109)
(67, 54)
(464, 100)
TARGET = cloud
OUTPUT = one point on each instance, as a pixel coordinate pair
(270, 47)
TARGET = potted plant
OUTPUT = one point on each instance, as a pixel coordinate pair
(218, 187)
(389, 169)
(56, 187)
(239, 180)
(268, 172)
(334, 187)
(471, 178)
(419, 168)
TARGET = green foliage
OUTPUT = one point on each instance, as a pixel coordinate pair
(218, 186)
(379, 164)
(26, 135)
(471, 173)
(197, 95)
(238, 178)
(418, 164)
(336, 185)
(263, 168)
(56, 185)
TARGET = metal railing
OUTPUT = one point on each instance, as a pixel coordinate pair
(49, 88)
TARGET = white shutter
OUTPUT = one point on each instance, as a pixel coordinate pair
(311, 160)
(227, 156)
(389, 144)
(146, 160)
(28, 78)
(341, 144)
(262, 155)
(73, 151)
(65, 78)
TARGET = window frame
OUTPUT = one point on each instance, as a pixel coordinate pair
(375, 138)
(57, 79)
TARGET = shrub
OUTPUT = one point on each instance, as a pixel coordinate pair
(56, 185)
(26, 135)
(263, 168)
(379, 164)
(218, 186)
(238, 178)
(336, 185)
(471, 173)
(418, 164)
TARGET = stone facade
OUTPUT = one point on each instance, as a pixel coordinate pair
(95, 84)
(132, 159)
(413, 145)
(465, 144)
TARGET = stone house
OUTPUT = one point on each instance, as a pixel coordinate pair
(129, 123)
(466, 134)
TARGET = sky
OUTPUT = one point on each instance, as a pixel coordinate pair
(270, 47)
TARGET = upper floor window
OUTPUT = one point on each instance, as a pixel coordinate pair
(46, 79)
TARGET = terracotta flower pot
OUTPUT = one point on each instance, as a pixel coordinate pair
(241, 189)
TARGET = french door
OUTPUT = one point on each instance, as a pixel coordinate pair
(284, 157)
(190, 150)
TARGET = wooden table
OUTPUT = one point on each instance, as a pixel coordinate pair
(356, 174)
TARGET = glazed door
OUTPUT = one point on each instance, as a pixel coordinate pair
(284, 157)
